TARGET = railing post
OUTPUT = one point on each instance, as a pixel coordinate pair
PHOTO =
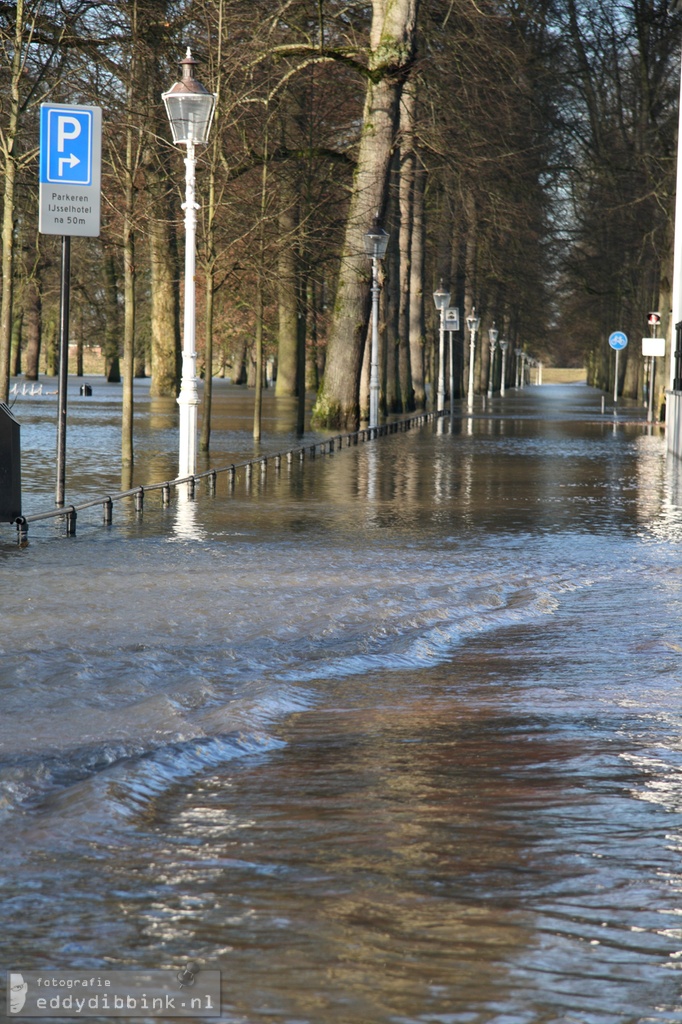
(107, 511)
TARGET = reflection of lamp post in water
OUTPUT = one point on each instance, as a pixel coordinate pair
(441, 300)
(190, 111)
(493, 335)
(376, 243)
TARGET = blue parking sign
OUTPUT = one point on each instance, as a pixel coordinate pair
(66, 145)
(70, 169)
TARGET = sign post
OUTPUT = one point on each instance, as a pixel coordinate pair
(618, 340)
(652, 347)
(69, 196)
(451, 324)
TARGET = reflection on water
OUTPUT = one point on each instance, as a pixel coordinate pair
(393, 736)
(187, 524)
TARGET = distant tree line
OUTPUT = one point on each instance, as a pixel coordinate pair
(522, 151)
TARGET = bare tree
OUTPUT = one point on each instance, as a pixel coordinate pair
(392, 40)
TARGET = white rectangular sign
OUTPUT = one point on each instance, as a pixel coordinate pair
(653, 346)
(451, 319)
(70, 169)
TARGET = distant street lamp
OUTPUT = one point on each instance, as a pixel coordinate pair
(504, 345)
(376, 243)
(190, 111)
(493, 335)
(473, 323)
(441, 299)
(518, 352)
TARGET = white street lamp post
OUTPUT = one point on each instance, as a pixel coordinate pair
(441, 300)
(504, 345)
(190, 111)
(493, 335)
(473, 323)
(376, 243)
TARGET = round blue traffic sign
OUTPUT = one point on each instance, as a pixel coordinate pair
(618, 340)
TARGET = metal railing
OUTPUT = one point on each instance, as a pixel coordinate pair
(70, 512)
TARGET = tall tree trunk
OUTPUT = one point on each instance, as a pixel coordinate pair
(165, 311)
(154, 22)
(406, 202)
(302, 298)
(79, 345)
(417, 330)
(391, 50)
(258, 371)
(132, 160)
(470, 257)
(33, 313)
(393, 401)
(15, 357)
(291, 187)
(205, 434)
(207, 401)
(287, 286)
(129, 312)
(9, 155)
(312, 379)
(112, 365)
(50, 345)
(260, 302)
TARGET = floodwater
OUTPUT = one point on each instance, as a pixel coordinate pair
(394, 737)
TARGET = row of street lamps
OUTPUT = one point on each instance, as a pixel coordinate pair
(441, 299)
(376, 244)
(190, 109)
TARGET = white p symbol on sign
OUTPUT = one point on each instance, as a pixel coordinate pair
(64, 122)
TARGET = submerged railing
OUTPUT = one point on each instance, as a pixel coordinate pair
(70, 512)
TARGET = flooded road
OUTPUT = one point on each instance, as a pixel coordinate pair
(397, 737)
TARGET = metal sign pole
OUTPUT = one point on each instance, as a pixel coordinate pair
(69, 204)
(63, 368)
(615, 383)
(652, 371)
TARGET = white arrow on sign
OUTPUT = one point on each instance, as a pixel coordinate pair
(70, 160)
